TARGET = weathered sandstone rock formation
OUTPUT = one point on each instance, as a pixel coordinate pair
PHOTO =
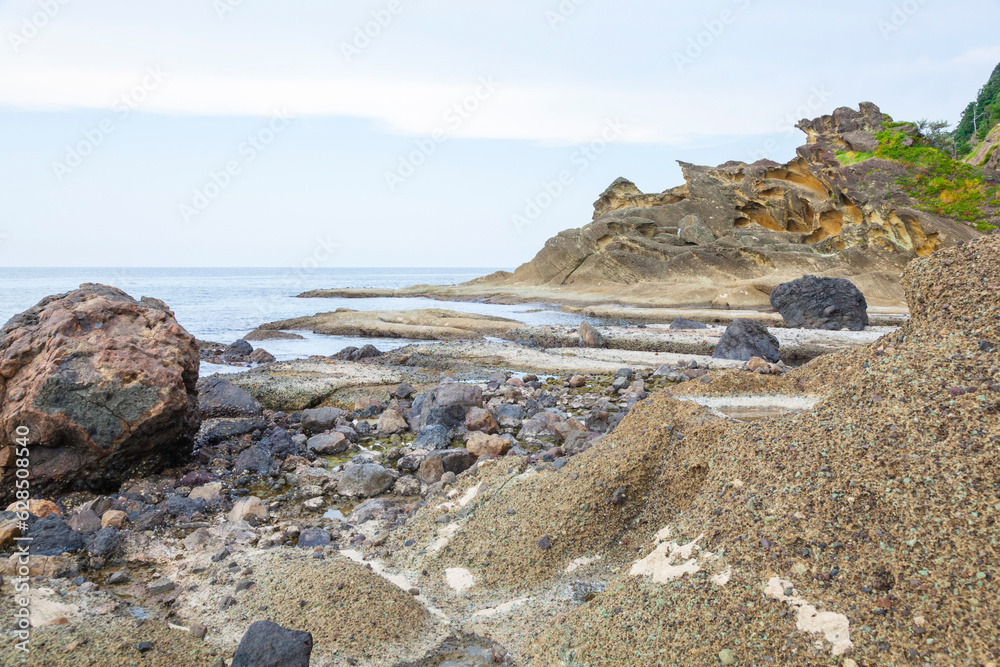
(733, 232)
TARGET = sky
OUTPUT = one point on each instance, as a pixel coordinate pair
(420, 133)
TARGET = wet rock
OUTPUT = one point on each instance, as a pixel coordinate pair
(52, 536)
(328, 444)
(319, 420)
(577, 381)
(364, 480)
(237, 351)
(220, 398)
(821, 303)
(106, 386)
(745, 339)
(681, 324)
(435, 436)
(266, 644)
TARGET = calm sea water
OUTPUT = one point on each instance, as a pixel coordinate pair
(223, 305)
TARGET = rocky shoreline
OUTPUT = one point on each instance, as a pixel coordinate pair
(604, 495)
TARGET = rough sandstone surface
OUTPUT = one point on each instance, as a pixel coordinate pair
(105, 385)
(422, 324)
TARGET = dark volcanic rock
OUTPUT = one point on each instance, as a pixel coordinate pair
(745, 339)
(435, 436)
(356, 354)
(365, 480)
(103, 385)
(105, 542)
(238, 351)
(821, 303)
(267, 644)
(220, 398)
(223, 429)
(318, 420)
(52, 536)
(255, 460)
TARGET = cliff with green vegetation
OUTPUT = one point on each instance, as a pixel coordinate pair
(981, 116)
(934, 181)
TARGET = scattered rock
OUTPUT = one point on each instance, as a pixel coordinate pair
(745, 339)
(589, 336)
(220, 398)
(267, 644)
(364, 481)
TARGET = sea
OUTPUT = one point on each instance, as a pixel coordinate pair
(224, 304)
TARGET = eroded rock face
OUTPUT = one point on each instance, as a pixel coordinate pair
(732, 233)
(821, 303)
(105, 386)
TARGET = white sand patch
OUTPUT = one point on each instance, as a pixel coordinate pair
(469, 496)
(459, 579)
(722, 578)
(581, 562)
(444, 534)
(43, 611)
(670, 561)
(754, 401)
(835, 627)
(502, 609)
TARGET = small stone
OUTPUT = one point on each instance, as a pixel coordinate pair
(198, 630)
(144, 647)
(545, 542)
(161, 586)
(726, 657)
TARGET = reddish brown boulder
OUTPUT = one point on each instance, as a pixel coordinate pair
(103, 385)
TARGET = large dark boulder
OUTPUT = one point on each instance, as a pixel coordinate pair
(52, 536)
(267, 644)
(821, 303)
(745, 339)
(101, 387)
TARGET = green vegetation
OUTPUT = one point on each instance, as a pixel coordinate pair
(940, 183)
(980, 116)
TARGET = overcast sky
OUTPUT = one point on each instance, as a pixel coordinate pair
(453, 133)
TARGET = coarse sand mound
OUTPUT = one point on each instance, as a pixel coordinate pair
(865, 528)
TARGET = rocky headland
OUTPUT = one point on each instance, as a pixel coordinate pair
(852, 204)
